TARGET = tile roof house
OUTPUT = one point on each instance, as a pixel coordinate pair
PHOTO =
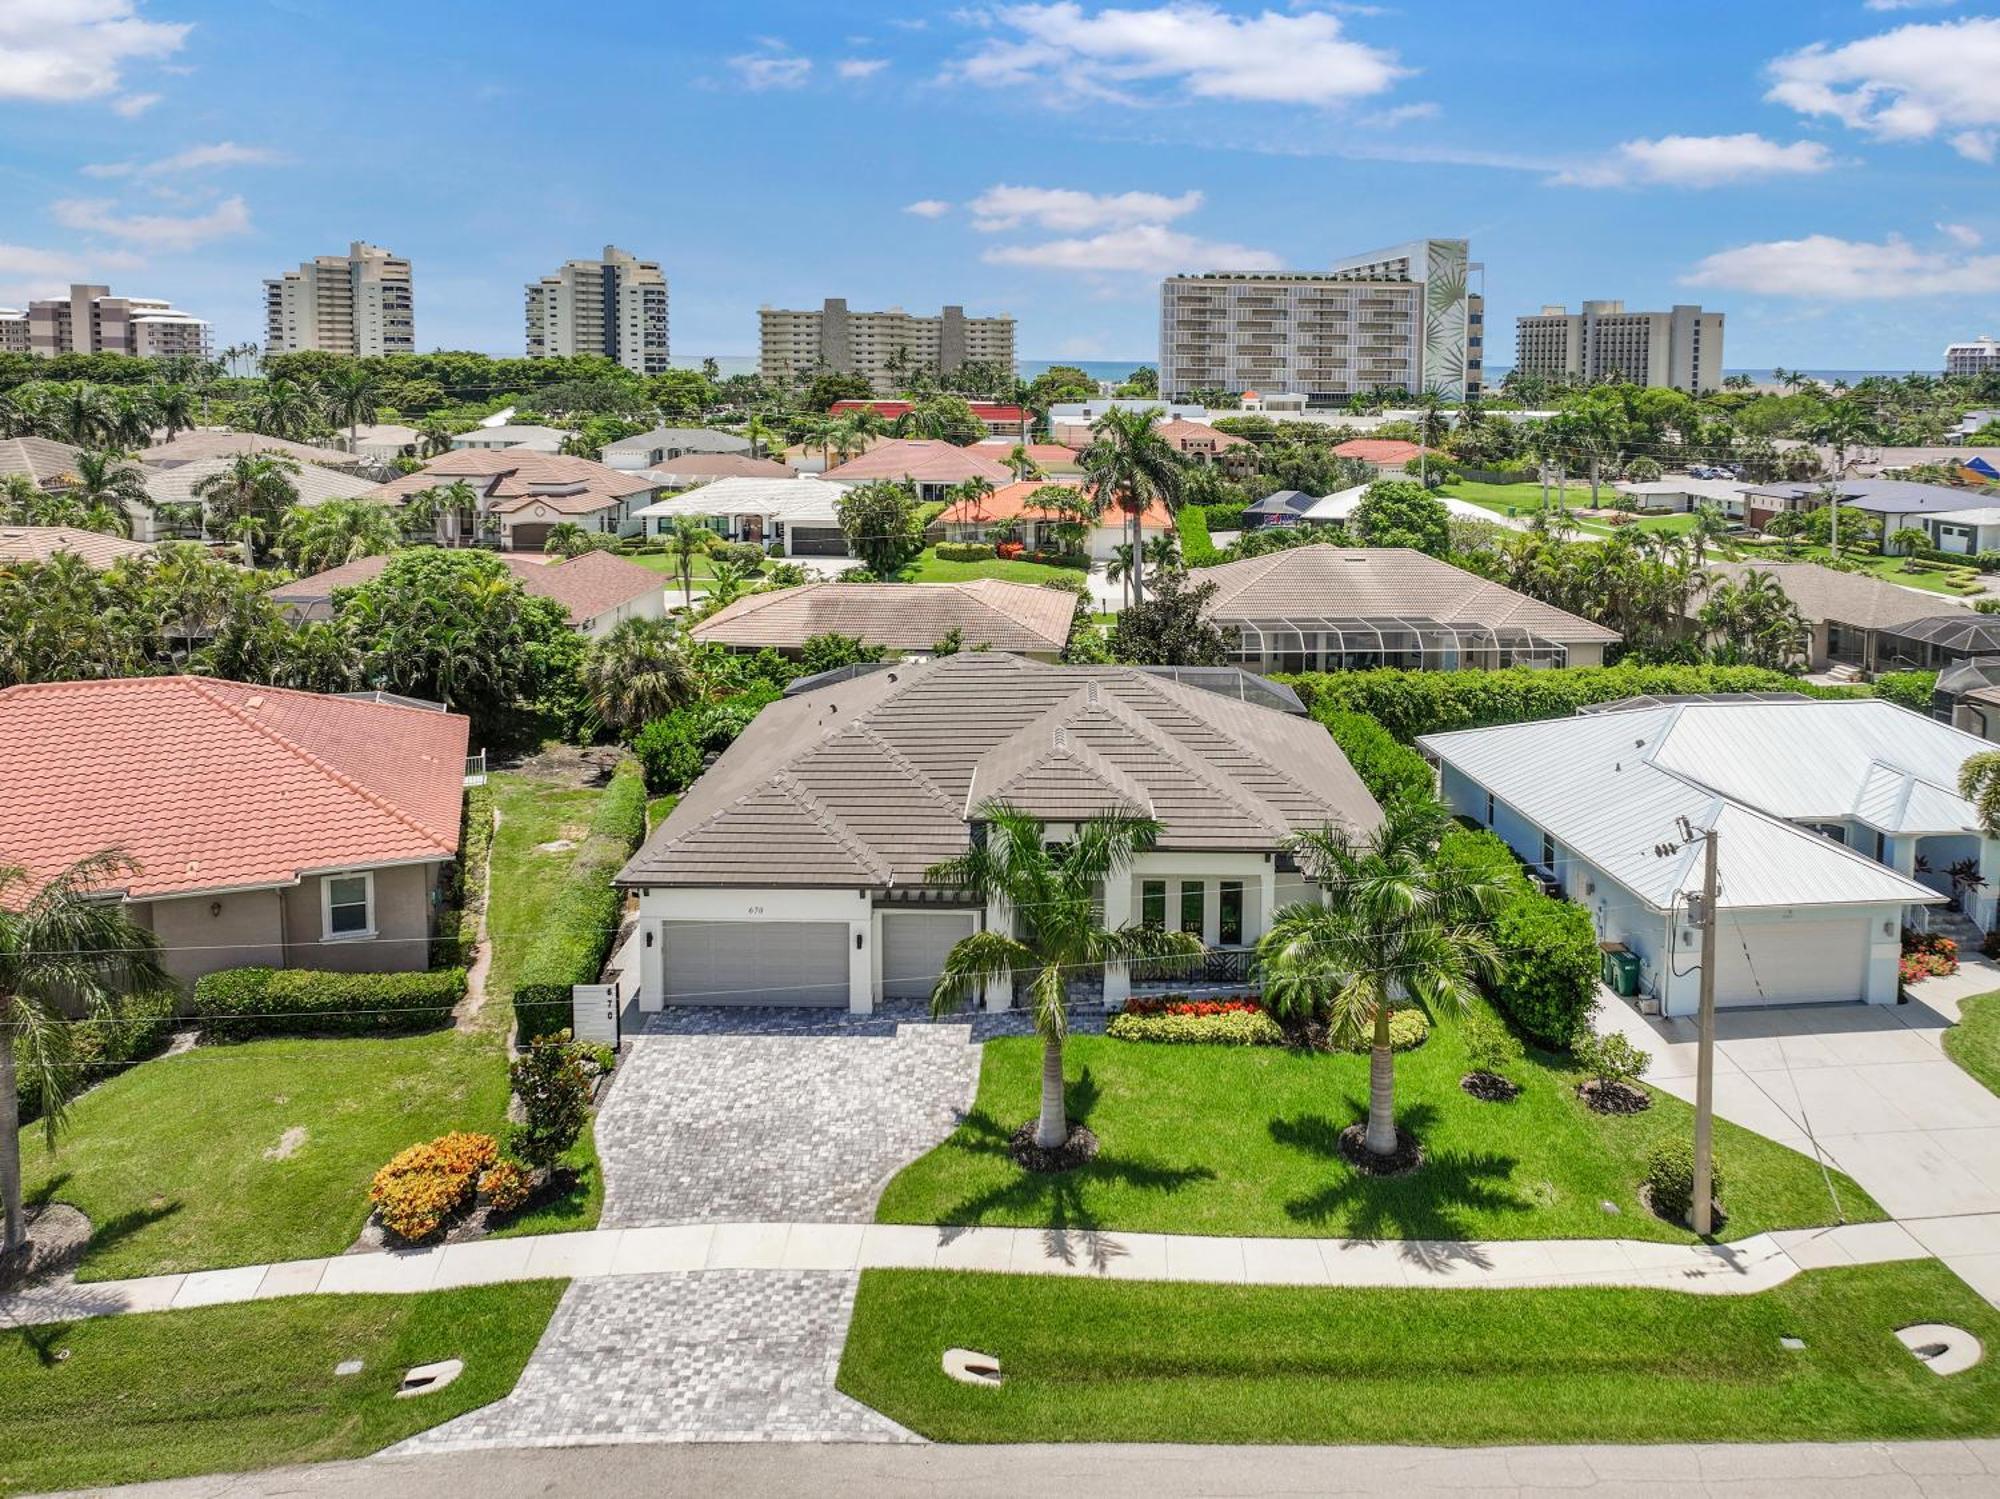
(269, 827)
(691, 469)
(800, 515)
(1198, 441)
(175, 486)
(1852, 615)
(907, 618)
(651, 449)
(193, 446)
(528, 438)
(930, 465)
(599, 589)
(1383, 452)
(1328, 608)
(49, 463)
(522, 495)
(380, 442)
(36, 544)
(1834, 820)
(792, 872)
(1012, 510)
(1050, 457)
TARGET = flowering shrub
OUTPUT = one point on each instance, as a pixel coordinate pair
(424, 1185)
(1009, 549)
(1242, 1026)
(1408, 1029)
(1180, 1004)
(1925, 954)
(505, 1186)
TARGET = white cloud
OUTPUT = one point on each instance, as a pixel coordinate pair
(27, 272)
(155, 231)
(1698, 161)
(928, 208)
(1821, 265)
(1906, 4)
(131, 106)
(193, 159)
(1402, 114)
(1148, 249)
(58, 51)
(771, 68)
(1963, 234)
(1913, 83)
(860, 67)
(1067, 211)
(1267, 58)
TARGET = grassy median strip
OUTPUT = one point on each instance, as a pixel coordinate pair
(1111, 1361)
(221, 1388)
(1974, 1043)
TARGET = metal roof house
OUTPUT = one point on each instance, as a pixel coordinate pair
(1839, 823)
(792, 872)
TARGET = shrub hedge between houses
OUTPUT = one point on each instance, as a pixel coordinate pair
(104, 1047)
(1198, 548)
(235, 1004)
(465, 894)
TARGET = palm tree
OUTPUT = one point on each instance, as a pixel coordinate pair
(173, 405)
(1052, 896)
(63, 947)
(1432, 424)
(285, 410)
(461, 502)
(131, 417)
(1118, 569)
(1710, 526)
(1979, 783)
(1163, 553)
(106, 520)
(688, 540)
(433, 436)
(1131, 466)
(80, 414)
(568, 538)
(107, 480)
(641, 671)
(352, 397)
(729, 579)
(255, 487)
(1395, 924)
(420, 513)
(758, 431)
(313, 538)
(1022, 462)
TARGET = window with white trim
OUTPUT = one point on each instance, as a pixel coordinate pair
(347, 906)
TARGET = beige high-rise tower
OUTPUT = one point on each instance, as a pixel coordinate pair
(358, 303)
(616, 307)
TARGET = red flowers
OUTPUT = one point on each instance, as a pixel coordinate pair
(1927, 953)
(1173, 1004)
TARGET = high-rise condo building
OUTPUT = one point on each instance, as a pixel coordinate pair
(1976, 356)
(616, 307)
(1406, 317)
(358, 303)
(878, 345)
(1680, 349)
(92, 321)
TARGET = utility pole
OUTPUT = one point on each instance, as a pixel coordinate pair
(1704, 1077)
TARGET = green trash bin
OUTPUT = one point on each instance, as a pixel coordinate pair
(1621, 971)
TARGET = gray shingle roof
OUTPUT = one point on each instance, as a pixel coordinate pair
(866, 782)
(1000, 615)
(1857, 599)
(686, 439)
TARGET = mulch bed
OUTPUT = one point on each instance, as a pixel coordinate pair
(57, 1236)
(1081, 1146)
(1407, 1156)
(1614, 1098)
(1490, 1087)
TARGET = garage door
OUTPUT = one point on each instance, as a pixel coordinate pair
(818, 541)
(1790, 962)
(913, 947)
(532, 536)
(756, 962)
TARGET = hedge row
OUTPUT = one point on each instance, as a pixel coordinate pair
(1910, 689)
(1198, 549)
(106, 1046)
(578, 927)
(235, 1004)
(1409, 703)
(965, 551)
(465, 894)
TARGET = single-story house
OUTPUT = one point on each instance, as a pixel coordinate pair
(1070, 422)
(1898, 504)
(599, 589)
(1000, 418)
(269, 827)
(32, 545)
(800, 514)
(930, 466)
(1684, 494)
(195, 445)
(1010, 511)
(1383, 452)
(521, 495)
(380, 442)
(651, 449)
(1341, 506)
(691, 469)
(910, 619)
(51, 464)
(1945, 637)
(1328, 608)
(176, 485)
(1052, 458)
(1851, 614)
(527, 437)
(1281, 507)
(1838, 824)
(793, 871)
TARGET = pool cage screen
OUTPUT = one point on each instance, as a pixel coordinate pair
(1315, 643)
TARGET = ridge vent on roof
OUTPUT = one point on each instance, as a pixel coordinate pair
(1062, 739)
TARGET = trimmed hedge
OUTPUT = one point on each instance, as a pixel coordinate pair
(235, 1004)
(1198, 549)
(1549, 984)
(1909, 689)
(1391, 771)
(580, 923)
(465, 896)
(106, 1046)
(1670, 1179)
(965, 551)
(1223, 517)
(1232, 1028)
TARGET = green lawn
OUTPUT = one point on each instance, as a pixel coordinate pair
(929, 569)
(534, 813)
(1523, 500)
(224, 1388)
(1974, 1043)
(1224, 1140)
(1138, 1361)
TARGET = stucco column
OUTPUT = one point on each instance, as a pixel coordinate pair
(1000, 988)
(1211, 913)
(863, 970)
(1982, 912)
(1117, 914)
(652, 958)
(1260, 921)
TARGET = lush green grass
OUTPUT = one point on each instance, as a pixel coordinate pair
(929, 569)
(1223, 1140)
(1889, 569)
(223, 1388)
(1523, 500)
(1974, 1043)
(526, 875)
(1140, 1361)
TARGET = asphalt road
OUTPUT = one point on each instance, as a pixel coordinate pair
(1931, 1469)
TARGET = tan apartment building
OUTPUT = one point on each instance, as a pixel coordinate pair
(616, 307)
(1405, 317)
(13, 330)
(1680, 349)
(92, 321)
(793, 344)
(359, 303)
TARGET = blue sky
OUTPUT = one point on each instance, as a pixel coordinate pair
(1822, 173)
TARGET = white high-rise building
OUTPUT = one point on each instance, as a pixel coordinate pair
(92, 321)
(1976, 356)
(616, 307)
(358, 304)
(876, 344)
(13, 330)
(1680, 349)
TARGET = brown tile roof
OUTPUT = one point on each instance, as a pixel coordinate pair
(868, 781)
(587, 585)
(1181, 430)
(314, 483)
(1858, 599)
(191, 447)
(1389, 450)
(900, 616)
(40, 458)
(213, 785)
(1359, 583)
(512, 478)
(39, 543)
(690, 466)
(1011, 502)
(922, 461)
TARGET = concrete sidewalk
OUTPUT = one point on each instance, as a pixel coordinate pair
(1748, 1265)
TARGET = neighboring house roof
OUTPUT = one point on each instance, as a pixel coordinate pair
(1011, 502)
(1883, 496)
(1978, 515)
(698, 468)
(988, 612)
(1390, 585)
(192, 447)
(1960, 630)
(1822, 593)
(541, 439)
(890, 409)
(1389, 451)
(1179, 431)
(1718, 490)
(40, 458)
(1282, 502)
(804, 501)
(587, 585)
(1043, 454)
(1083, 413)
(383, 434)
(316, 485)
(686, 439)
(1610, 787)
(39, 543)
(508, 479)
(1343, 503)
(921, 461)
(868, 781)
(211, 785)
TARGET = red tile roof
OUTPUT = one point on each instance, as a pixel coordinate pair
(1180, 430)
(1010, 502)
(587, 585)
(213, 785)
(1389, 450)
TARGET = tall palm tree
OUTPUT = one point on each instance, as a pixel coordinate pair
(1710, 526)
(285, 409)
(759, 431)
(1433, 424)
(63, 948)
(419, 514)
(567, 538)
(1131, 466)
(313, 538)
(641, 671)
(1053, 897)
(173, 406)
(108, 479)
(80, 414)
(353, 395)
(688, 540)
(461, 502)
(433, 436)
(1396, 924)
(131, 417)
(1023, 464)
(254, 487)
